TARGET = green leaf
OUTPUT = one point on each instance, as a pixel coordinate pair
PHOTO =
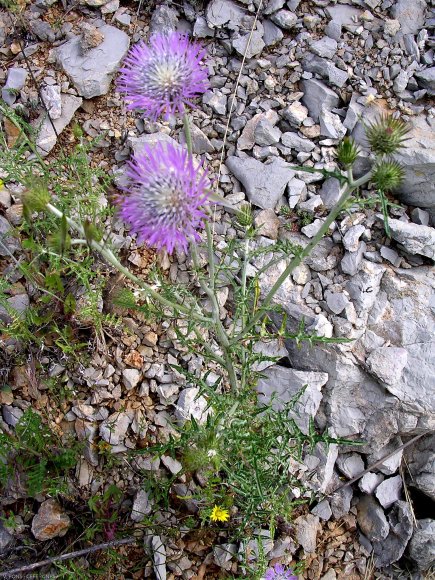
(69, 305)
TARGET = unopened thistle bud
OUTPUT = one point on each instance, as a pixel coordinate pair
(36, 196)
(386, 135)
(244, 215)
(388, 175)
(347, 151)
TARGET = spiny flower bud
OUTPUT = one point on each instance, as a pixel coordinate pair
(347, 151)
(386, 135)
(244, 215)
(36, 195)
(388, 175)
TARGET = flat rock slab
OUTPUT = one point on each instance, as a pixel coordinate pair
(47, 137)
(280, 385)
(264, 183)
(92, 71)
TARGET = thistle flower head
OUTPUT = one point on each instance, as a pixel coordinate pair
(278, 572)
(347, 151)
(164, 75)
(165, 196)
(388, 175)
(386, 135)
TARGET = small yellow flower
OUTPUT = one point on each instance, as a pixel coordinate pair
(219, 515)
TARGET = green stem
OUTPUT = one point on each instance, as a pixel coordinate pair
(221, 334)
(350, 187)
(112, 259)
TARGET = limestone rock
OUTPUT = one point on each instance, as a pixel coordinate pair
(264, 183)
(50, 522)
(46, 138)
(92, 72)
(281, 384)
(415, 238)
(422, 544)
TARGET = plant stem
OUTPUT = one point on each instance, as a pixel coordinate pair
(112, 259)
(221, 334)
(349, 188)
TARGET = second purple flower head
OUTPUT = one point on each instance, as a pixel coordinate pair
(162, 77)
(165, 198)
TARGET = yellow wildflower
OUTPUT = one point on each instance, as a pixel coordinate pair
(219, 515)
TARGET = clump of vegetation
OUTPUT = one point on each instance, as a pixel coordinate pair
(32, 457)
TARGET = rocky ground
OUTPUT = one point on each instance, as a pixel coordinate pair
(312, 72)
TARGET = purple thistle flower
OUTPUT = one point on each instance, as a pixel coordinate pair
(164, 76)
(278, 572)
(166, 193)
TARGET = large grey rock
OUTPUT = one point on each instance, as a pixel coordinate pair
(410, 15)
(420, 462)
(158, 552)
(190, 404)
(9, 242)
(163, 20)
(264, 183)
(392, 548)
(272, 34)
(307, 528)
(250, 44)
(369, 482)
(141, 506)
(364, 286)
(46, 138)
(293, 141)
(92, 71)
(422, 544)
(51, 521)
(280, 385)
(272, 349)
(216, 100)
(325, 47)
(284, 19)
(14, 83)
(389, 491)
(351, 464)
(53, 101)
(387, 363)
(265, 133)
(6, 539)
(223, 13)
(426, 79)
(371, 519)
(316, 96)
(247, 138)
(114, 428)
(324, 68)
(415, 238)
(330, 192)
(331, 125)
(346, 16)
(15, 306)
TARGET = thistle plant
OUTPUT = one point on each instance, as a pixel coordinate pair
(168, 204)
